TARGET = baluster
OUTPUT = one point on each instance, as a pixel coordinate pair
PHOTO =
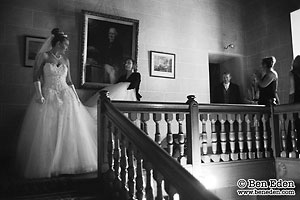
(139, 176)
(204, 157)
(145, 118)
(159, 190)
(266, 136)
(110, 175)
(283, 135)
(214, 138)
(181, 158)
(123, 164)
(297, 133)
(169, 118)
(293, 153)
(258, 146)
(241, 138)
(117, 152)
(223, 138)
(157, 118)
(171, 191)
(251, 154)
(275, 133)
(296, 138)
(133, 117)
(149, 181)
(232, 138)
(130, 169)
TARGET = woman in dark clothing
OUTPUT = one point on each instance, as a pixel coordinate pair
(132, 76)
(295, 81)
(127, 88)
(269, 83)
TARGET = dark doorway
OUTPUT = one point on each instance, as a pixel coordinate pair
(214, 78)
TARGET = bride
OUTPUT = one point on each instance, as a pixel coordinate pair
(58, 134)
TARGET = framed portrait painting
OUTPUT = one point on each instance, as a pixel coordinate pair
(162, 64)
(107, 41)
(32, 46)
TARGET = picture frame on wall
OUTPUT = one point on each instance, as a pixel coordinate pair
(106, 42)
(32, 46)
(162, 64)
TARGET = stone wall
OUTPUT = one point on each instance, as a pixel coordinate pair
(190, 29)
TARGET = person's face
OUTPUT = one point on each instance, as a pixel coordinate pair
(226, 78)
(64, 46)
(128, 65)
(111, 35)
(263, 67)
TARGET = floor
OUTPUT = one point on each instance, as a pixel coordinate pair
(82, 186)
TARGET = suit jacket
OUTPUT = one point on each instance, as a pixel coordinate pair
(233, 94)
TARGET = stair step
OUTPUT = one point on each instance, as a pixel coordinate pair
(84, 187)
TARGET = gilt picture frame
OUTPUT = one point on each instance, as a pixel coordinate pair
(32, 46)
(162, 64)
(106, 42)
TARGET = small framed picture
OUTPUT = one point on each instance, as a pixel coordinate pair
(162, 64)
(32, 46)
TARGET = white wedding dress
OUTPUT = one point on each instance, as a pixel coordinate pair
(59, 136)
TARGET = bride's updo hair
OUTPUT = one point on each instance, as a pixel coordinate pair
(59, 36)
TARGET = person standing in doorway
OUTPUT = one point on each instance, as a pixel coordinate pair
(226, 92)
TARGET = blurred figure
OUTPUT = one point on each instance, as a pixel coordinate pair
(112, 56)
(268, 84)
(227, 92)
(253, 91)
(294, 96)
(127, 88)
(104, 60)
(132, 76)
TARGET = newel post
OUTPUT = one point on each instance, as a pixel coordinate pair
(102, 136)
(275, 133)
(192, 132)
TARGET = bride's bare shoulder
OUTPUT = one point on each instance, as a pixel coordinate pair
(65, 61)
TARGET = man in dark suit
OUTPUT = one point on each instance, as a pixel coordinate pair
(227, 92)
(111, 56)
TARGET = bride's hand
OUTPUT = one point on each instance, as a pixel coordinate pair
(79, 102)
(40, 100)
